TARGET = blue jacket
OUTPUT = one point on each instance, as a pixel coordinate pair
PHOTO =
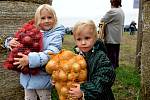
(52, 41)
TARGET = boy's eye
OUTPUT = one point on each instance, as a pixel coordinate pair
(78, 39)
(87, 38)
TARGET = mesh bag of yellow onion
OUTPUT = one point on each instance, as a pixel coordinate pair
(66, 68)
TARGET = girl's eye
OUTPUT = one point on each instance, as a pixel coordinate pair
(42, 17)
(49, 17)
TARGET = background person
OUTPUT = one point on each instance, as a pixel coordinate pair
(132, 28)
(114, 22)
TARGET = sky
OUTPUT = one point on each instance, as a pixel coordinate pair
(70, 11)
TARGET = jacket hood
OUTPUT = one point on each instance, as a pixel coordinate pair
(99, 45)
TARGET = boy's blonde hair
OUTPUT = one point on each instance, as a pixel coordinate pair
(79, 26)
(38, 15)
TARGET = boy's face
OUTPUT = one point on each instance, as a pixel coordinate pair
(47, 20)
(85, 39)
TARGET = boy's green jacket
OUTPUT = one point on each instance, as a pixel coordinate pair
(101, 74)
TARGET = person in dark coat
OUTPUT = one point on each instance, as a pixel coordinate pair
(100, 72)
(132, 28)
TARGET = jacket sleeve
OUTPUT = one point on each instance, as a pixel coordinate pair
(109, 16)
(4, 40)
(62, 28)
(101, 80)
(53, 43)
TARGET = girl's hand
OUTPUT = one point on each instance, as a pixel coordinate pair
(21, 62)
(75, 92)
(13, 43)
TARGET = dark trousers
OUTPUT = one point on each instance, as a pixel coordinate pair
(113, 53)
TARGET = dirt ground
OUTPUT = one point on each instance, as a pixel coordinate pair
(10, 88)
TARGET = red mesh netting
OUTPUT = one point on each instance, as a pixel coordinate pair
(30, 39)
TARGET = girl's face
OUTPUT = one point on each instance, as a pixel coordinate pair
(85, 39)
(47, 20)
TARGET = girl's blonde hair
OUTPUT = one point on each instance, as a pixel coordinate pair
(79, 26)
(38, 15)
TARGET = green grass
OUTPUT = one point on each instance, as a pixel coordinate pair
(127, 84)
(128, 76)
(68, 42)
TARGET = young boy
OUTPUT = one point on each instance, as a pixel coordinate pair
(101, 75)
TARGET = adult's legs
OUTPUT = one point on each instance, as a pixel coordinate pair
(113, 54)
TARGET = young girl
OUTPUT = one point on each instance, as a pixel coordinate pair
(39, 85)
(101, 75)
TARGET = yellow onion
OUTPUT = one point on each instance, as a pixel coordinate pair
(65, 66)
(62, 97)
(66, 54)
(62, 75)
(55, 76)
(76, 67)
(82, 75)
(64, 91)
(82, 63)
(51, 66)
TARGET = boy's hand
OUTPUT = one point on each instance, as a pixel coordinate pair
(75, 92)
(53, 82)
(21, 62)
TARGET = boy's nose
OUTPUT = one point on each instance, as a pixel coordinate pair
(83, 42)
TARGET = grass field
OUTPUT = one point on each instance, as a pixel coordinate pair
(127, 84)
